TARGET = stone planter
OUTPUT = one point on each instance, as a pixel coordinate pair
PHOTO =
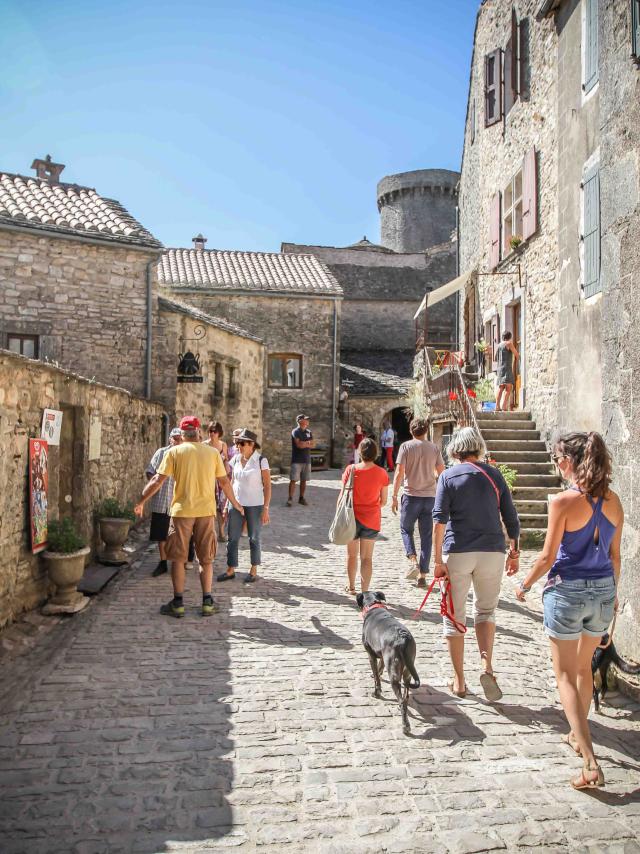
(65, 571)
(114, 533)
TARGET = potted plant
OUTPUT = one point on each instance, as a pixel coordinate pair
(515, 241)
(114, 521)
(65, 557)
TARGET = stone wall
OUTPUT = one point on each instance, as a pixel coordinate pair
(489, 162)
(620, 224)
(131, 430)
(232, 369)
(579, 381)
(86, 302)
(287, 324)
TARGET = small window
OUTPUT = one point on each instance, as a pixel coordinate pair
(635, 28)
(218, 387)
(590, 46)
(25, 345)
(234, 391)
(493, 87)
(512, 214)
(285, 370)
(591, 231)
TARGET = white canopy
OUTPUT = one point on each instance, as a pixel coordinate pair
(443, 292)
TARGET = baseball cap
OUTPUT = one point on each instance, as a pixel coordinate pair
(300, 418)
(189, 422)
(175, 432)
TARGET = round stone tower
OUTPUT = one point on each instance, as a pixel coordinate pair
(417, 209)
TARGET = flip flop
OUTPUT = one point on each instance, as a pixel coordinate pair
(350, 590)
(573, 744)
(490, 687)
(461, 694)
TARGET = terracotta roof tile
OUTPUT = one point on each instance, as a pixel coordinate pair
(255, 271)
(68, 209)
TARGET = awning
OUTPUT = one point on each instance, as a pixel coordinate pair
(443, 292)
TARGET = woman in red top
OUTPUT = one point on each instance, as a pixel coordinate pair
(358, 436)
(370, 488)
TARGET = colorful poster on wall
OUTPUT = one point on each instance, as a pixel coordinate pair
(51, 426)
(38, 489)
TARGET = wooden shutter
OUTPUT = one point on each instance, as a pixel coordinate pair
(494, 231)
(523, 59)
(590, 45)
(493, 87)
(635, 28)
(509, 63)
(515, 69)
(529, 195)
(591, 235)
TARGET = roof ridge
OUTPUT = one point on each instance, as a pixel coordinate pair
(241, 251)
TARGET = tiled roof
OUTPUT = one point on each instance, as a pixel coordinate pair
(219, 322)
(254, 271)
(68, 209)
(379, 373)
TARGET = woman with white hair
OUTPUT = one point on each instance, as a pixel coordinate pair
(472, 500)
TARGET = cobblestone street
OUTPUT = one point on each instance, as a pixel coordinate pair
(125, 731)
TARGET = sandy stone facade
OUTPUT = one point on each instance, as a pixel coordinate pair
(130, 431)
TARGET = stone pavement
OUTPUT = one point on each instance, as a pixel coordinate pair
(124, 731)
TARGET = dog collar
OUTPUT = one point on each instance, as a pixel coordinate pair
(368, 608)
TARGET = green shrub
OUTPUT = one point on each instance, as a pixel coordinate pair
(63, 537)
(485, 390)
(112, 509)
(509, 474)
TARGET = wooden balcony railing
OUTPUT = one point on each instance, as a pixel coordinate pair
(446, 392)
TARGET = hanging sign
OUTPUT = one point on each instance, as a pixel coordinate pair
(51, 426)
(38, 489)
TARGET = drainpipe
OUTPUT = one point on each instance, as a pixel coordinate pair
(334, 379)
(147, 368)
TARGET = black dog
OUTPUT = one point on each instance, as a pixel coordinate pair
(388, 643)
(602, 660)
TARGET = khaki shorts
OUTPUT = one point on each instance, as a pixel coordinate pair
(181, 528)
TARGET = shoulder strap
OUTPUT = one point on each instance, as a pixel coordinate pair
(490, 479)
(352, 473)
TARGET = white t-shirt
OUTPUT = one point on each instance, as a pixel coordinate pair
(247, 479)
(387, 437)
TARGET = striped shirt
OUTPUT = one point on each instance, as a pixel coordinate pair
(161, 501)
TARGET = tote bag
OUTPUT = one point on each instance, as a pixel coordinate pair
(343, 527)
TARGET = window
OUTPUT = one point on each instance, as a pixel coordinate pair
(494, 231)
(591, 231)
(285, 370)
(234, 391)
(635, 28)
(492, 337)
(590, 46)
(492, 87)
(218, 387)
(512, 212)
(26, 345)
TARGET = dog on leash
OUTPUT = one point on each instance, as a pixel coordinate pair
(603, 658)
(389, 644)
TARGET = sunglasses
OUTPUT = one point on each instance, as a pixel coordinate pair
(241, 442)
(556, 458)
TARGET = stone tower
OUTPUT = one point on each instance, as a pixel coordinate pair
(417, 209)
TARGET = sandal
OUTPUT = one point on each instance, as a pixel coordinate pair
(350, 590)
(490, 687)
(570, 739)
(584, 782)
(224, 576)
(462, 694)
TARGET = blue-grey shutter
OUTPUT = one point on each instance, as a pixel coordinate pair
(591, 45)
(635, 28)
(591, 237)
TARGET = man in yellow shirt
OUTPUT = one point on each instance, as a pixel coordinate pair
(194, 468)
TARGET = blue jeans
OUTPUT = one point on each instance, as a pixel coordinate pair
(414, 509)
(253, 515)
(578, 607)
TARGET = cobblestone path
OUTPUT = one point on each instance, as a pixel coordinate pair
(124, 731)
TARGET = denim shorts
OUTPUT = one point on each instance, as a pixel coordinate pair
(364, 533)
(578, 607)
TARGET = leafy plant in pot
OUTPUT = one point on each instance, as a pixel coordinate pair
(65, 557)
(114, 522)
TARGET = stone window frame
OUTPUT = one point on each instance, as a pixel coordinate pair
(282, 357)
(22, 338)
(510, 203)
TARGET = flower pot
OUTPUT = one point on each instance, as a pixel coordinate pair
(114, 533)
(65, 571)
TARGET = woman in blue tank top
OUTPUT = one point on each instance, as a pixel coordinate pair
(581, 553)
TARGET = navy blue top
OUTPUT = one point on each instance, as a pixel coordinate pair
(300, 455)
(468, 505)
(579, 555)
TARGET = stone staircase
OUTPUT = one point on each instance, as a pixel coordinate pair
(512, 440)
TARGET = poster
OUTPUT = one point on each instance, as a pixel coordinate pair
(51, 426)
(38, 488)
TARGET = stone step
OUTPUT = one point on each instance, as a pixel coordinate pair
(541, 468)
(532, 520)
(516, 444)
(492, 424)
(523, 455)
(500, 435)
(526, 508)
(532, 538)
(518, 415)
(538, 480)
(533, 493)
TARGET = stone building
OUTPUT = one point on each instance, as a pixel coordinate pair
(292, 303)
(78, 274)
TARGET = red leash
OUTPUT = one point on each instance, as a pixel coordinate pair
(446, 607)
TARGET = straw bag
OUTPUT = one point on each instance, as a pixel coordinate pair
(343, 527)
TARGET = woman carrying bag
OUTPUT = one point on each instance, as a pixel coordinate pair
(370, 489)
(251, 482)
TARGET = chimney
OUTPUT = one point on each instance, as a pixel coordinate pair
(199, 241)
(47, 170)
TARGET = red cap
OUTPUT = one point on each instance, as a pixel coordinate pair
(189, 422)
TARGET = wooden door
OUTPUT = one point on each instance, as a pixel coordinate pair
(517, 341)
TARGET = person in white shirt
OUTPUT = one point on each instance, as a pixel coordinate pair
(387, 439)
(251, 482)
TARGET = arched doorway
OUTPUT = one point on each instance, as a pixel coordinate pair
(400, 424)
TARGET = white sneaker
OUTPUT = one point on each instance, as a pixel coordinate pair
(188, 564)
(413, 572)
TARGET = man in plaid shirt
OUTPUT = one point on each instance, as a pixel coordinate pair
(161, 502)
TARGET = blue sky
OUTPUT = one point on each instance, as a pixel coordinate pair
(253, 122)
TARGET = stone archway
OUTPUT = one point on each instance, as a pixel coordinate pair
(400, 423)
